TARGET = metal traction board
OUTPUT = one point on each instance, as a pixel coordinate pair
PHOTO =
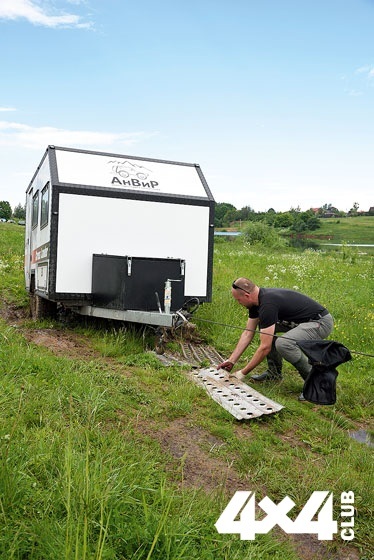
(192, 355)
(238, 398)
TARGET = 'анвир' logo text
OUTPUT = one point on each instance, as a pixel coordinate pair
(128, 174)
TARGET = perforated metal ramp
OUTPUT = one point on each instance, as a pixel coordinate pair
(191, 354)
(238, 398)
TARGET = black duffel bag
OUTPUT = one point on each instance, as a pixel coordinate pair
(324, 356)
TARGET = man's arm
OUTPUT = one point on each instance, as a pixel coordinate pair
(266, 340)
(243, 343)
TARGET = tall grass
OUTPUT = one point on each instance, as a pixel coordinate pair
(77, 479)
(12, 263)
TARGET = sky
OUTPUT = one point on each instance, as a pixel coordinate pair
(273, 99)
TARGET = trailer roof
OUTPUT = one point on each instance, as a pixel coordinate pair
(85, 168)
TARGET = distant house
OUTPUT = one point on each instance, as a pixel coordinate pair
(330, 212)
(371, 210)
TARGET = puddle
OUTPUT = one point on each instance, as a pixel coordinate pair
(362, 436)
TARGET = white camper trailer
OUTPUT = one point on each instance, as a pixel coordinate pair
(117, 236)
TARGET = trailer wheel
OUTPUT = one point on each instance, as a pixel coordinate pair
(42, 308)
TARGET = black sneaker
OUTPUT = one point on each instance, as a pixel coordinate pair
(267, 376)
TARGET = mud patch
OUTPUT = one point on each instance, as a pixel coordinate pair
(292, 440)
(192, 450)
(13, 314)
(61, 343)
(308, 547)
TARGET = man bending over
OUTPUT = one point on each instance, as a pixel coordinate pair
(276, 310)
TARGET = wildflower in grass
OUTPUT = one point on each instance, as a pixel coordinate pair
(4, 266)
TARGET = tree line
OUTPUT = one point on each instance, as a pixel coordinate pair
(6, 212)
(225, 214)
(294, 219)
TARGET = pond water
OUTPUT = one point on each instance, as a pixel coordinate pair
(362, 436)
(349, 244)
(301, 243)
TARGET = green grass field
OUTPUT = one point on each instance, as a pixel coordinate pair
(342, 231)
(358, 229)
(107, 454)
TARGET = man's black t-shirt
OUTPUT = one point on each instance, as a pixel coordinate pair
(278, 304)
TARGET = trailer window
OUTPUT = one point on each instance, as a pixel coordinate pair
(35, 209)
(44, 211)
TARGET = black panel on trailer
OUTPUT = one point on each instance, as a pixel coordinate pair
(132, 282)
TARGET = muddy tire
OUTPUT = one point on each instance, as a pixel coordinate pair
(32, 307)
(42, 308)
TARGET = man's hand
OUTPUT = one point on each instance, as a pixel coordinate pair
(227, 365)
(239, 375)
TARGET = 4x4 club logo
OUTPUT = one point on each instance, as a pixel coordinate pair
(316, 517)
(129, 174)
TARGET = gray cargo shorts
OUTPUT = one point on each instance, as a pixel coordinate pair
(317, 329)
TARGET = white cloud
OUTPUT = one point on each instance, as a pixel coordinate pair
(25, 136)
(367, 70)
(354, 92)
(22, 146)
(4, 109)
(30, 10)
